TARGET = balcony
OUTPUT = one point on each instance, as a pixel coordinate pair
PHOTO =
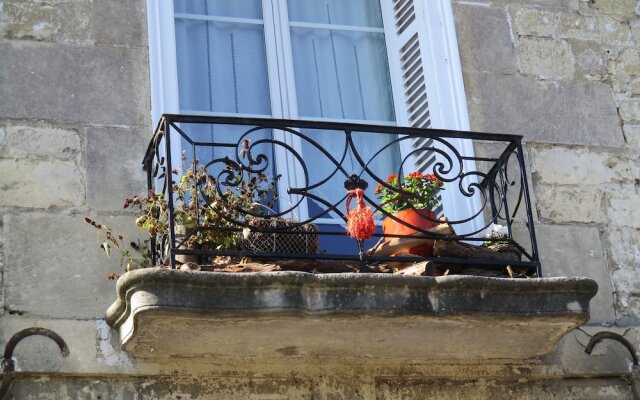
(249, 218)
(227, 155)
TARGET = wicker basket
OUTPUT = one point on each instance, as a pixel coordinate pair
(300, 238)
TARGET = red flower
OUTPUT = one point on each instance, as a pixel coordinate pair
(416, 174)
(430, 178)
(378, 188)
(391, 177)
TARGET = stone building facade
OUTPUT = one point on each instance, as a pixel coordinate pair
(75, 121)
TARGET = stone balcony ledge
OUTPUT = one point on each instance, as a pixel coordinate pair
(163, 313)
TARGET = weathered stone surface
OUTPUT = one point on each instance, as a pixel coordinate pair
(567, 112)
(622, 8)
(349, 387)
(564, 204)
(48, 20)
(55, 267)
(623, 207)
(626, 280)
(563, 5)
(101, 85)
(534, 22)
(114, 166)
(166, 388)
(628, 309)
(545, 58)
(630, 110)
(628, 63)
(607, 356)
(566, 389)
(632, 134)
(485, 38)
(634, 86)
(120, 22)
(577, 251)
(19, 141)
(592, 58)
(396, 310)
(623, 247)
(564, 25)
(41, 183)
(578, 166)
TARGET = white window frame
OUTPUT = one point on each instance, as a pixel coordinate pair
(441, 62)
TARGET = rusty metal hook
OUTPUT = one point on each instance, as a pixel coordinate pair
(598, 337)
(8, 366)
(631, 379)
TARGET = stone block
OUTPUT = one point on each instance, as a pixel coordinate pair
(592, 58)
(534, 22)
(99, 85)
(623, 247)
(48, 21)
(120, 22)
(624, 207)
(563, 204)
(20, 141)
(545, 4)
(630, 110)
(537, 22)
(626, 280)
(545, 58)
(635, 31)
(577, 251)
(578, 166)
(602, 29)
(55, 267)
(622, 8)
(567, 112)
(628, 309)
(485, 38)
(114, 166)
(628, 62)
(632, 135)
(41, 183)
(634, 86)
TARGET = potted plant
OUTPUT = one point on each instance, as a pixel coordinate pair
(197, 197)
(410, 200)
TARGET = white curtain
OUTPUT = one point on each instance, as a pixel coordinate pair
(222, 68)
(342, 74)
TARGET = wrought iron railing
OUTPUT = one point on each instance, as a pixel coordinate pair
(221, 178)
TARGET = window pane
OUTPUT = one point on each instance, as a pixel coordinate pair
(341, 74)
(222, 67)
(339, 12)
(220, 8)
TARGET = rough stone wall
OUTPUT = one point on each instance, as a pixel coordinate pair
(566, 75)
(75, 119)
(74, 122)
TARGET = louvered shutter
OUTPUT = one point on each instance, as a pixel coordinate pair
(406, 40)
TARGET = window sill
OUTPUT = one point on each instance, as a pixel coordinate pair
(163, 313)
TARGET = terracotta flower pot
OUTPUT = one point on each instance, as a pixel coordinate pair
(417, 218)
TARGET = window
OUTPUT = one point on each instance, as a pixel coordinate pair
(371, 61)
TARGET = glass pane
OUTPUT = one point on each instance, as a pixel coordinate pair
(377, 151)
(222, 67)
(338, 12)
(220, 8)
(342, 74)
